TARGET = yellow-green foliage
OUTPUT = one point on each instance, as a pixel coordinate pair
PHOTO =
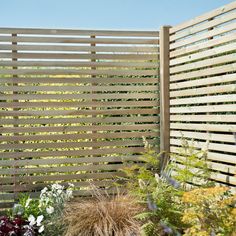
(190, 165)
(210, 211)
(174, 209)
(140, 177)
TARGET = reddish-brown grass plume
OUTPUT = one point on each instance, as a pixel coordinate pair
(103, 215)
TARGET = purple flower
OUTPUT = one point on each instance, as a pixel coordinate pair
(171, 181)
(166, 228)
(151, 205)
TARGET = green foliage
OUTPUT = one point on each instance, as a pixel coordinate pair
(44, 213)
(210, 211)
(162, 191)
(30, 206)
(140, 178)
(190, 165)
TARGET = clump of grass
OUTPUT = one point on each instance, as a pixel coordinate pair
(103, 215)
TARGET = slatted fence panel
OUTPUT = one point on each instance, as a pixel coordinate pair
(75, 105)
(203, 88)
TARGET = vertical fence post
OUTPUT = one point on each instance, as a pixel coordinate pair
(164, 96)
(93, 68)
(14, 84)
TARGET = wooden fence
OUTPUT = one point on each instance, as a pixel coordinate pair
(203, 88)
(75, 105)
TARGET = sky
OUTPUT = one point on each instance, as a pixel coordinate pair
(102, 14)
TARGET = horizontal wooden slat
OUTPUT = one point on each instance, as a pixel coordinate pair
(67, 177)
(77, 128)
(69, 40)
(68, 80)
(35, 187)
(208, 81)
(222, 167)
(80, 120)
(75, 152)
(226, 158)
(204, 90)
(229, 169)
(203, 54)
(204, 127)
(214, 176)
(6, 205)
(97, 104)
(71, 79)
(77, 96)
(204, 63)
(79, 56)
(211, 155)
(77, 88)
(206, 35)
(210, 146)
(224, 178)
(41, 31)
(79, 112)
(204, 26)
(78, 136)
(204, 118)
(62, 169)
(87, 192)
(29, 187)
(61, 161)
(204, 45)
(208, 108)
(79, 72)
(203, 136)
(84, 192)
(204, 72)
(68, 144)
(204, 17)
(58, 48)
(65, 64)
(202, 99)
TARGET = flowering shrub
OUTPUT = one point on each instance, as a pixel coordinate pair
(173, 207)
(159, 192)
(210, 211)
(39, 216)
(15, 227)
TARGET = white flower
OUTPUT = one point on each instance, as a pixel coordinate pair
(71, 185)
(142, 184)
(157, 177)
(39, 220)
(50, 210)
(57, 186)
(28, 202)
(32, 220)
(69, 193)
(59, 191)
(41, 229)
(43, 191)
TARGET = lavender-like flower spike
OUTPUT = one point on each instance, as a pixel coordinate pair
(171, 181)
(166, 228)
(151, 205)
